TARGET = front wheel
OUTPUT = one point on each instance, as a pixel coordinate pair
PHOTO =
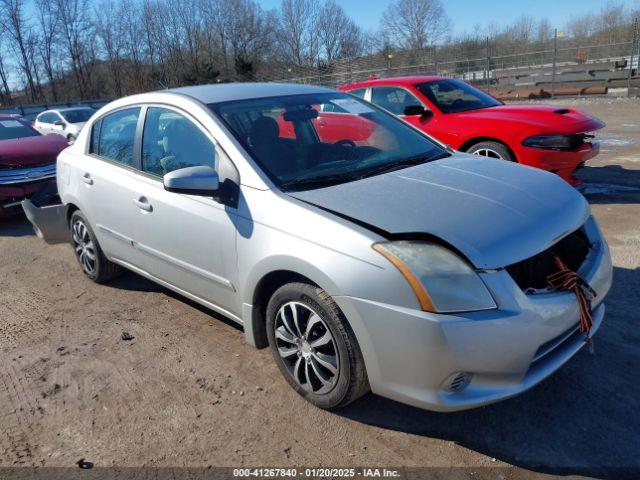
(88, 252)
(314, 346)
(71, 139)
(492, 150)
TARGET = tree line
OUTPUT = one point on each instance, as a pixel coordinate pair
(63, 50)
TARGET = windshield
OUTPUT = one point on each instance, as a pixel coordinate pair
(454, 96)
(78, 115)
(310, 141)
(11, 128)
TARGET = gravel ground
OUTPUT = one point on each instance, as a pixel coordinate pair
(188, 391)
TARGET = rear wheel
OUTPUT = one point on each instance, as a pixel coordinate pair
(315, 347)
(492, 150)
(88, 252)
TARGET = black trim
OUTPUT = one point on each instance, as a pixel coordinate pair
(187, 191)
(137, 141)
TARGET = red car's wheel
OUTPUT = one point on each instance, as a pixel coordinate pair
(492, 150)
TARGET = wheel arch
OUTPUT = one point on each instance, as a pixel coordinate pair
(71, 207)
(265, 279)
(475, 140)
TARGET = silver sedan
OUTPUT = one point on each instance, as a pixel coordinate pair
(365, 254)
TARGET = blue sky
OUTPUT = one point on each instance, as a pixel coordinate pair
(465, 14)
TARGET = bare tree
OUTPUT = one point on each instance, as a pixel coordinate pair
(75, 28)
(5, 92)
(414, 24)
(339, 35)
(250, 31)
(12, 15)
(109, 30)
(296, 33)
(47, 44)
(544, 31)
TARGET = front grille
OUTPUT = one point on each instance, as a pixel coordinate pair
(37, 173)
(531, 274)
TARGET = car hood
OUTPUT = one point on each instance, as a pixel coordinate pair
(31, 150)
(495, 213)
(545, 118)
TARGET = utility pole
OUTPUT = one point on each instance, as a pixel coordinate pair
(488, 66)
(634, 39)
(553, 67)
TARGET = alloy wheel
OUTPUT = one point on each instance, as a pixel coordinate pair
(488, 152)
(84, 247)
(307, 347)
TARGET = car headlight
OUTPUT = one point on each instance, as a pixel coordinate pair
(552, 142)
(442, 281)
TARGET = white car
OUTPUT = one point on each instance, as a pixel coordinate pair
(379, 258)
(63, 121)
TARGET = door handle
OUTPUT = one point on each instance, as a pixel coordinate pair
(143, 204)
(86, 178)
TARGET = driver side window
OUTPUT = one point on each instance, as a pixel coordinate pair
(393, 99)
(171, 141)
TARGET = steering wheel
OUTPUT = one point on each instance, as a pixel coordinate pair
(346, 142)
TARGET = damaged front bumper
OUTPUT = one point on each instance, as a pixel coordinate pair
(49, 219)
(422, 358)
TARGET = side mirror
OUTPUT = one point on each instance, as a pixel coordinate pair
(193, 181)
(415, 110)
(59, 123)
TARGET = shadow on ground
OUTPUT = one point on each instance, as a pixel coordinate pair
(583, 420)
(16, 226)
(134, 282)
(611, 184)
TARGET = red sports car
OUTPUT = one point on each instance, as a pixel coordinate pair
(27, 162)
(557, 139)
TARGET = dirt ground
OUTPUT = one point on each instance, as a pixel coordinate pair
(188, 391)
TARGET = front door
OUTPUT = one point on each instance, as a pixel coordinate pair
(188, 241)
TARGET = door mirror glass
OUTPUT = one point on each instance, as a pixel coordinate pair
(415, 110)
(200, 180)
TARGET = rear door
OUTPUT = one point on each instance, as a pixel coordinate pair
(109, 183)
(44, 122)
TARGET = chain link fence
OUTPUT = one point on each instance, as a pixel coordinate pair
(561, 66)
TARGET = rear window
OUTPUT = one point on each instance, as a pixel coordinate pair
(79, 115)
(114, 135)
(11, 128)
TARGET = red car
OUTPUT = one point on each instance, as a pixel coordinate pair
(552, 138)
(27, 162)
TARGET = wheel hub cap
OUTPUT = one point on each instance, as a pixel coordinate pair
(84, 247)
(307, 347)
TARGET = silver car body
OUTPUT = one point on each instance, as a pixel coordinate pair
(494, 213)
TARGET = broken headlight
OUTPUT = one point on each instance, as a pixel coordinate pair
(442, 281)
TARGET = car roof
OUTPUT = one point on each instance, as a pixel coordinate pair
(224, 92)
(408, 80)
(69, 109)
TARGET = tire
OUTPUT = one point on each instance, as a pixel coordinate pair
(85, 246)
(350, 379)
(71, 139)
(492, 150)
